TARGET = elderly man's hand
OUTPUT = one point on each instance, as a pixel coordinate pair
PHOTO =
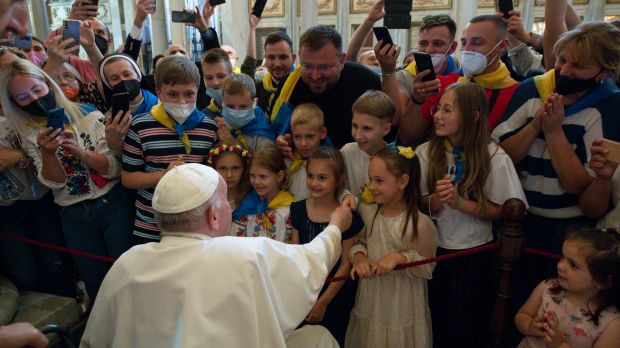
(22, 335)
(341, 218)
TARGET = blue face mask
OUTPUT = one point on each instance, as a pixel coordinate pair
(215, 94)
(237, 118)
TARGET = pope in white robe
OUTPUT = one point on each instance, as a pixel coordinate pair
(206, 289)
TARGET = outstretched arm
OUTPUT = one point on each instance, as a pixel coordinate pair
(362, 32)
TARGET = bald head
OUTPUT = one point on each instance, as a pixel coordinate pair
(176, 50)
(232, 54)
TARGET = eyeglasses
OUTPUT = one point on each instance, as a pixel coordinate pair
(445, 109)
(323, 68)
(66, 77)
(436, 19)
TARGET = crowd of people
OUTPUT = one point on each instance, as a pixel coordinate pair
(346, 162)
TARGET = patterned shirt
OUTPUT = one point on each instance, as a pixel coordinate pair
(149, 147)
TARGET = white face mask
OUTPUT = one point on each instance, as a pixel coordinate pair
(216, 94)
(474, 63)
(439, 59)
(180, 112)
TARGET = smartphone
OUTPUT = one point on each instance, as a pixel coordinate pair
(120, 101)
(505, 6)
(398, 14)
(216, 2)
(382, 33)
(71, 30)
(614, 150)
(258, 8)
(423, 62)
(23, 41)
(56, 118)
(183, 17)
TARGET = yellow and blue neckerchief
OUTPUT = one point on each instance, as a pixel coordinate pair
(160, 115)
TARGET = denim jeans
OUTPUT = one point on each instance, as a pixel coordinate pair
(31, 267)
(101, 226)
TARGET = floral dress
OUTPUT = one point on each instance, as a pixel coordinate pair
(273, 223)
(576, 323)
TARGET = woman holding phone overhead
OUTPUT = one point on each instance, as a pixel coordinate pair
(75, 162)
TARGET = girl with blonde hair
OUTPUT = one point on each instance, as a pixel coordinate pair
(75, 162)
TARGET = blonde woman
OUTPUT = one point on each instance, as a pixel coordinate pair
(548, 130)
(75, 163)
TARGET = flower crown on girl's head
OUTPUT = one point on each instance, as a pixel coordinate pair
(216, 151)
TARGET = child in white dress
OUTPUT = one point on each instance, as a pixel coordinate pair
(466, 178)
(391, 307)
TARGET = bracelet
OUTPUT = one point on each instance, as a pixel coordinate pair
(460, 203)
(387, 72)
(24, 160)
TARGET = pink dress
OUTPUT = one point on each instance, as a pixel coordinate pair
(575, 323)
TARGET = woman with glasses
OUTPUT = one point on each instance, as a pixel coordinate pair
(73, 87)
(465, 180)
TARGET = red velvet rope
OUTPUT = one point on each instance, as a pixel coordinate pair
(429, 260)
(58, 248)
(330, 280)
(541, 253)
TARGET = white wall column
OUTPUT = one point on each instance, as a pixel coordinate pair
(39, 24)
(159, 30)
(309, 14)
(234, 19)
(343, 26)
(115, 17)
(596, 11)
(401, 38)
(177, 30)
(291, 23)
(462, 12)
(527, 14)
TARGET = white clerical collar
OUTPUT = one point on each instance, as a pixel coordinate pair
(186, 235)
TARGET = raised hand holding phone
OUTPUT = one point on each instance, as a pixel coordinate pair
(71, 30)
(424, 62)
(258, 8)
(183, 17)
(383, 34)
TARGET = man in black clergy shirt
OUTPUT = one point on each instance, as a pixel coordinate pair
(327, 80)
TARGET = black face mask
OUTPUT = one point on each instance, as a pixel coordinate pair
(565, 85)
(130, 86)
(41, 106)
(102, 44)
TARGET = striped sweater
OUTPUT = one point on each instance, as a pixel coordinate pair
(149, 147)
(542, 187)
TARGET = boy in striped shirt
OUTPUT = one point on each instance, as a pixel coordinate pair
(172, 133)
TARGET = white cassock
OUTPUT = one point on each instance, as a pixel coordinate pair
(190, 290)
